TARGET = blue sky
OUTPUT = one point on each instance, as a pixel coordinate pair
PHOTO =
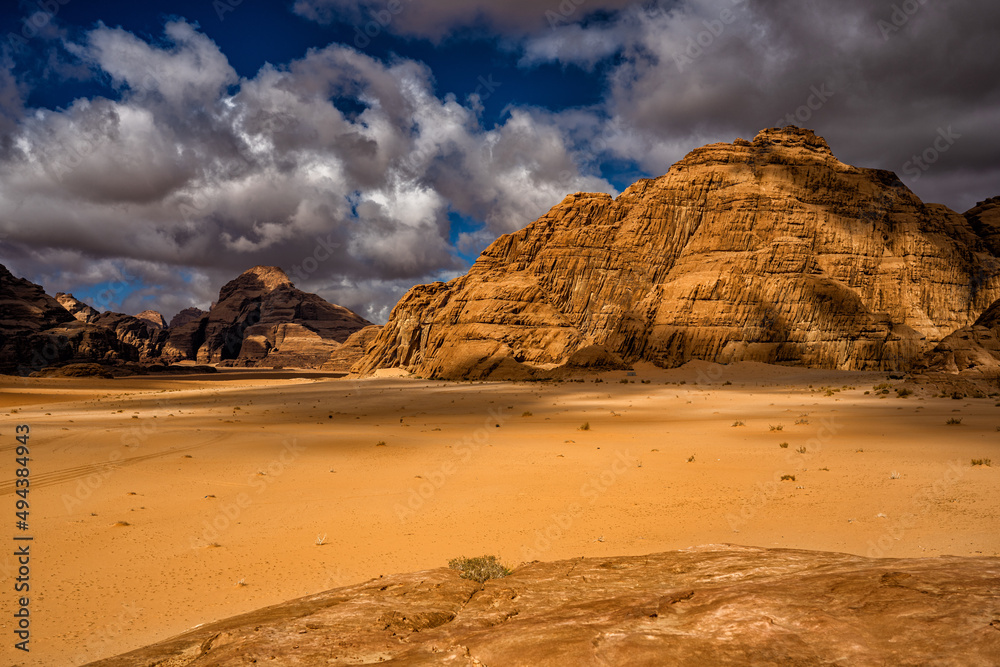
(370, 145)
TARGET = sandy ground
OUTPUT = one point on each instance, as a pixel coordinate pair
(160, 504)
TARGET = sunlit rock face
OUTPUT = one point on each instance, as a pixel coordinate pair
(768, 250)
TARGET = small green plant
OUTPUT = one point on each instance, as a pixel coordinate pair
(777, 427)
(585, 426)
(954, 421)
(479, 569)
(982, 462)
(783, 445)
(801, 450)
(801, 422)
(788, 478)
(739, 423)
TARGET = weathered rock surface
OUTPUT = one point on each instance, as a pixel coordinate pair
(153, 317)
(352, 350)
(261, 319)
(185, 335)
(771, 250)
(972, 350)
(712, 605)
(36, 331)
(144, 336)
(77, 308)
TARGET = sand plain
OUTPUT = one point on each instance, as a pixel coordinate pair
(158, 504)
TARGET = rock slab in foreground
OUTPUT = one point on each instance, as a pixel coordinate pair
(712, 605)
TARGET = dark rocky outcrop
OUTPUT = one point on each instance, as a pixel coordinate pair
(77, 308)
(713, 605)
(261, 319)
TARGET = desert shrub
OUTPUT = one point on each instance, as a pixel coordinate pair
(788, 478)
(783, 445)
(525, 414)
(739, 423)
(982, 462)
(585, 426)
(954, 421)
(904, 392)
(801, 450)
(777, 427)
(479, 569)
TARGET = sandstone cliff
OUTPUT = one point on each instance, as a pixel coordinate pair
(352, 350)
(714, 605)
(771, 250)
(262, 319)
(77, 308)
(971, 350)
(139, 333)
(36, 331)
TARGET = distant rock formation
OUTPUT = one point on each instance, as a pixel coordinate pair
(261, 319)
(352, 350)
(153, 317)
(971, 350)
(185, 335)
(771, 250)
(141, 334)
(36, 331)
(77, 308)
(713, 605)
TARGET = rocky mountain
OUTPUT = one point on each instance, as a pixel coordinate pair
(139, 333)
(352, 350)
(712, 605)
(262, 319)
(185, 335)
(154, 318)
(77, 308)
(972, 350)
(768, 250)
(36, 331)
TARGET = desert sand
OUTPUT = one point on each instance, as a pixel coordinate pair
(162, 503)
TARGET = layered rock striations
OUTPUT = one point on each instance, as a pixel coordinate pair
(352, 350)
(37, 331)
(972, 350)
(771, 250)
(712, 605)
(77, 308)
(262, 319)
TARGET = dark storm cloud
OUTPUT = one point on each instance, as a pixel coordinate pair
(194, 167)
(881, 81)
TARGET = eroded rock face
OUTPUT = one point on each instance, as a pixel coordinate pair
(77, 308)
(771, 251)
(262, 319)
(972, 350)
(154, 318)
(144, 336)
(36, 331)
(185, 335)
(712, 605)
(352, 350)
